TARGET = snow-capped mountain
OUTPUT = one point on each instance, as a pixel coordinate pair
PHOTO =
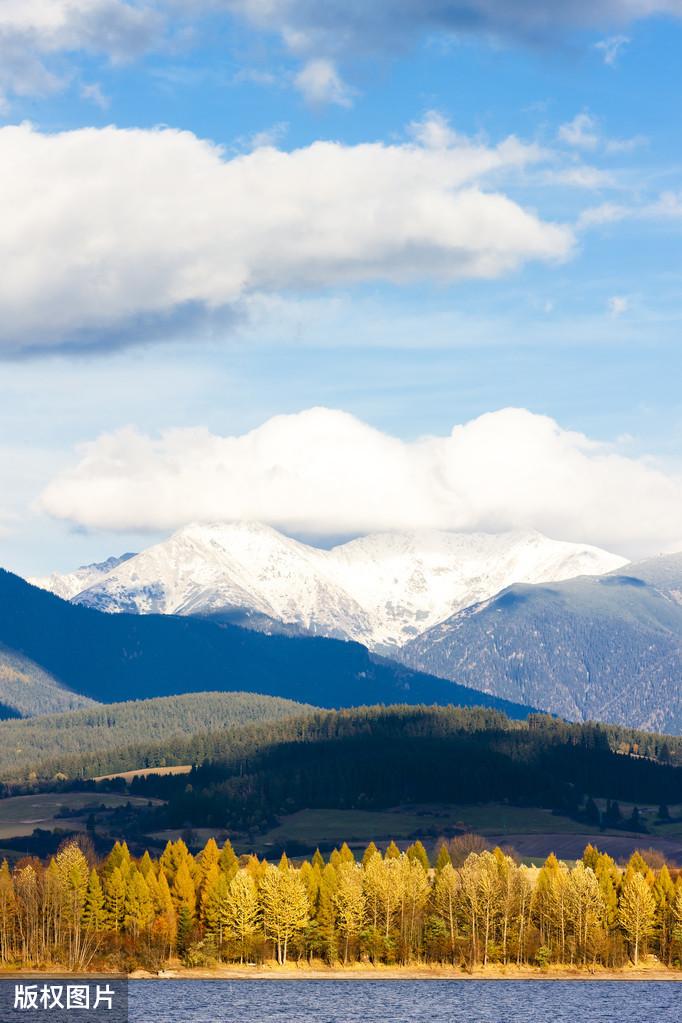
(382, 590)
(70, 584)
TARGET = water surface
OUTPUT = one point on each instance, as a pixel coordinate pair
(405, 1001)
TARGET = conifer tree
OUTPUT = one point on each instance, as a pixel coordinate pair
(443, 857)
(94, 914)
(139, 908)
(325, 913)
(114, 884)
(347, 853)
(318, 860)
(369, 852)
(183, 890)
(229, 864)
(417, 852)
(185, 930)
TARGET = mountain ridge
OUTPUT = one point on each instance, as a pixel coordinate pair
(601, 648)
(380, 590)
(113, 658)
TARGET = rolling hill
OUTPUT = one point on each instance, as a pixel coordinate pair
(29, 743)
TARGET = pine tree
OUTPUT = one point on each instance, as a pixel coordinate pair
(114, 884)
(318, 859)
(229, 864)
(146, 865)
(347, 854)
(443, 858)
(183, 891)
(94, 914)
(139, 908)
(392, 852)
(325, 914)
(208, 861)
(185, 930)
(369, 852)
(417, 852)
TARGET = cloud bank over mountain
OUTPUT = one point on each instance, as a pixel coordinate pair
(324, 473)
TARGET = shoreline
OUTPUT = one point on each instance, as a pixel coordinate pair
(364, 972)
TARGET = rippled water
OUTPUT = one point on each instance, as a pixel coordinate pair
(431, 1001)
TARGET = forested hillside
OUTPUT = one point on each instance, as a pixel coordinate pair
(26, 744)
(606, 649)
(381, 757)
(378, 757)
(118, 657)
(25, 688)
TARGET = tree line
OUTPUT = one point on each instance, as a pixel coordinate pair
(216, 727)
(370, 758)
(471, 907)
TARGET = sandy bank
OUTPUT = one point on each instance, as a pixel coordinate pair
(294, 971)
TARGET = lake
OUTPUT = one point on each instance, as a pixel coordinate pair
(407, 1001)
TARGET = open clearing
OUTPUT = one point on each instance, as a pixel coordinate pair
(426, 822)
(20, 815)
(144, 772)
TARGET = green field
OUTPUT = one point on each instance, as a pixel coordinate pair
(310, 827)
(21, 815)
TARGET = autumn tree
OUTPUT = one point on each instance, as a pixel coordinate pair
(284, 903)
(636, 911)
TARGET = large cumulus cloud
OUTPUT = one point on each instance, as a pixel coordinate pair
(110, 234)
(325, 473)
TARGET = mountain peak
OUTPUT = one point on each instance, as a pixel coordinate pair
(381, 590)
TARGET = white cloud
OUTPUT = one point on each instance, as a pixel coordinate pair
(268, 137)
(665, 207)
(612, 48)
(33, 32)
(434, 131)
(581, 132)
(38, 38)
(618, 305)
(326, 473)
(337, 26)
(93, 92)
(319, 82)
(109, 235)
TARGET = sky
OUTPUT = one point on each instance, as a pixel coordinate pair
(339, 267)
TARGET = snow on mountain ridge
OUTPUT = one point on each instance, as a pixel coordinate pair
(70, 584)
(381, 590)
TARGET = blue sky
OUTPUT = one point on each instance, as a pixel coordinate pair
(216, 303)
